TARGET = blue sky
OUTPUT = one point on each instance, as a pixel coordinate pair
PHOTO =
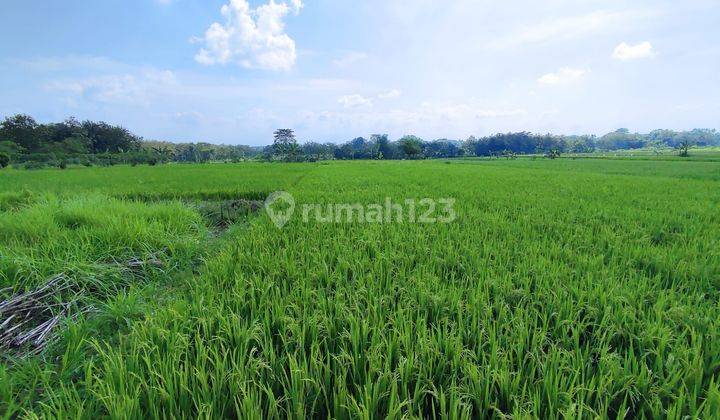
(232, 71)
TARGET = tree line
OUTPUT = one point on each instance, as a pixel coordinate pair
(379, 146)
(25, 141)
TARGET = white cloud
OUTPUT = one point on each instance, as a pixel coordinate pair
(189, 116)
(565, 75)
(349, 59)
(297, 5)
(390, 94)
(357, 100)
(253, 38)
(354, 101)
(128, 89)
(465, 111)
(67, 63)
(567, 28)
(631, 52)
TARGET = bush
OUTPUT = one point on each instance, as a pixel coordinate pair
(34, 165)
(4, 160)
(106, 159)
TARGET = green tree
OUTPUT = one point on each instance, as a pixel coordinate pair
(10, 148)
(4, 160)
(106, 138)
(384, 147)
(684, 144)
(345, 151)
(621, 139)
(162, 153)
(704, 136)
(317, 151)
(22, 130)
(656, 146)
(553, 154)
(285, 145)
(293, 152)
(411, 146)
(469, 146)
(666, 137)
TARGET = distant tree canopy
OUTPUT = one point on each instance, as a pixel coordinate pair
(23, 139)
(511, 144)
(21, 134)
(199, 152)
(318, 151)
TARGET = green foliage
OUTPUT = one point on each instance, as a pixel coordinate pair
(10, 148)
(621, 139)
(411, 146)
(386, 149)
(202, 152)
(103, 144)
(316, 151)
(285, 146)
(69, 137)
(35, 165)
(684, 144)
(563, 298)
(21, 130)
(4, 160)
(553, 154)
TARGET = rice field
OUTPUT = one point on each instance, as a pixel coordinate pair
(585, 288)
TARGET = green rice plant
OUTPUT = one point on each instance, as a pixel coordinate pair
(564, 289)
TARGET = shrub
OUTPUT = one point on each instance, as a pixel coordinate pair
(4, 160)
(553, 154)
(34, 165)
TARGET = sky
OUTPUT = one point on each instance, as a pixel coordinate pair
(233, 71)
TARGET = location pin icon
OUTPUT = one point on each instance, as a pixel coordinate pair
(280, 206)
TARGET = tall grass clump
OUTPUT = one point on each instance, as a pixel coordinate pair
(106, 257)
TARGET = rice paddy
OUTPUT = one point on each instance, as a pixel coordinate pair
(585, 288)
